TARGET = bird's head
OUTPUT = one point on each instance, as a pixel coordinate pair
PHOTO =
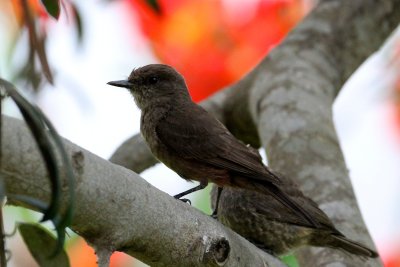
(154, 82)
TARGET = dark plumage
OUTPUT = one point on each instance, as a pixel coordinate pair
(274, 228)
(269, 210)
(194, 144)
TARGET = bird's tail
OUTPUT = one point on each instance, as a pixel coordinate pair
(293, 205)
(351, 246)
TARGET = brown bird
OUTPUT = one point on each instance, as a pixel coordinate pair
(271, 226)
(194, 144)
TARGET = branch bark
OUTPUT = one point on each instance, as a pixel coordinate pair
(115, 209)
(287, 102)
(291, 103)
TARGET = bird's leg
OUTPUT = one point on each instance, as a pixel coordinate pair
(191, 190)
(214, 214)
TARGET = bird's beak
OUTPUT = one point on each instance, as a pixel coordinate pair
(122, 83)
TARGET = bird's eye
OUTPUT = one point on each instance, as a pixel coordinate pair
(153, 80)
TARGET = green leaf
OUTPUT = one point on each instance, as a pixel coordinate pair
(40, 133)
(78, 22)
(48, 142)
(41, 243)
(52, 7)
(65, 220)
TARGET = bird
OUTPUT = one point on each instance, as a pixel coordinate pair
(194, 144)
(272, 227)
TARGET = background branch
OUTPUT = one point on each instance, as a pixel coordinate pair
(115, 209)
(291, 101)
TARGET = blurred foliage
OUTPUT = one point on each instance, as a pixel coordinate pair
(290, 260)
(35, 17)
(52, 7)
(51, 148)
(154, 5)
(394, 68)
(41, 243)
(202, 200)
(220, 40)
(3, 260)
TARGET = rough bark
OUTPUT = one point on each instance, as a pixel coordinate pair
(291, 103)
(286, 102)
(115, 209)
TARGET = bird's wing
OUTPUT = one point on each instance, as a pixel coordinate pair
(278, 211)
(208, 141)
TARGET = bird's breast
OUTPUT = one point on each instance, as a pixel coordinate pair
(187, 168)
(148, 126)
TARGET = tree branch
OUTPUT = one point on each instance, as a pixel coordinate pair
(291, 101)
(115, 209)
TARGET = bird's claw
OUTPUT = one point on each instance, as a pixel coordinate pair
(214, 215)
(185, 200)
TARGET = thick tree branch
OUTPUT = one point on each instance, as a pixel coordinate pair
(291, 103)
(134, 154)
(115, 209)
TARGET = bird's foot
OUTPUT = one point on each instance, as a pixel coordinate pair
(184, 200)
(214, 215)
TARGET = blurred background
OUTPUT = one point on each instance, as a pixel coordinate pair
(63, 66)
